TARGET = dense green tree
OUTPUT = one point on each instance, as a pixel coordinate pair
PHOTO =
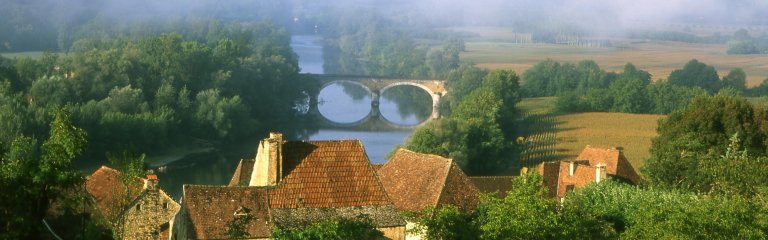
(689, 136)
(736, 78)
(696, 74)
(446, 222)
(33, 177)
(653, 213)
(665, 98)
(462, 81)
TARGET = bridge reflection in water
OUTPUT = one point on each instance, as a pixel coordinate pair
(374, 121)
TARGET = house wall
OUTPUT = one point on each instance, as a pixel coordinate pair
(393, 233)
(156, 209)
(410, 233)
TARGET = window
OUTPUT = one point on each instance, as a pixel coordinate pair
(165, 205)
(569, 188)
(138, 207)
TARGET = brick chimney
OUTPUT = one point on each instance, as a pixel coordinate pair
(151, 182)
(268, 167)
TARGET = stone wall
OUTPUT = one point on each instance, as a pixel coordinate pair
(148, 217)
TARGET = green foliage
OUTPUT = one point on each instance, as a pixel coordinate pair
(478, 134)
(736, 78)
(525, 213)
(665, 98)
(689, 138)
(652, 213)
(446, 222)
(340, 229)
(696, 74)
(33, 177)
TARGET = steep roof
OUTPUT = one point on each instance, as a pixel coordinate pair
(499, 185)
(109, 192)
(212, 208)
(327, 174)
(242, 174)
(415, 181)
(615, 161)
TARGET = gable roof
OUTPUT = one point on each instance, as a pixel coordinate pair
(242, 174)
(499, 185)
(211, 209)
(415, 181)
(615, 162)
(327, 174)
(109, 192)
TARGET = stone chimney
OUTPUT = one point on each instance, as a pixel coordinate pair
(151, 182)
(268, 167)
(600, 172)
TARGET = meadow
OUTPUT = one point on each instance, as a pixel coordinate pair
(574, 131)
(500, 51)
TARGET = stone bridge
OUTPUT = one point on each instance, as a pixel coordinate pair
(375, 86)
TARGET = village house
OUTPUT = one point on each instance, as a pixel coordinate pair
(593, 164)
(289, 184)
(136, 208)
(416, 181)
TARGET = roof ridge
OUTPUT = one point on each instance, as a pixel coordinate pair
(442, 189)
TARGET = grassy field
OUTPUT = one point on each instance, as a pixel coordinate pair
(495, 51)
(573, 132)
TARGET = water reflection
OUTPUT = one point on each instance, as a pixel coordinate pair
(406, 105)
(344, 102)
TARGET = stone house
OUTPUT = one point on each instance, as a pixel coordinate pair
(594, 164)
(136, 208)
(290, 184)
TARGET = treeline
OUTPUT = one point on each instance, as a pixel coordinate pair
(584, 87)
(744, 43)
(369, 44)
(703, 181)
(479, 132)
(48, 25)
(148, 93)
(674, 36)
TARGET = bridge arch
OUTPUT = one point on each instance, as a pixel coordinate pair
(376, 86)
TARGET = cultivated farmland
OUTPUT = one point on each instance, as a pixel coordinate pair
(562, 136)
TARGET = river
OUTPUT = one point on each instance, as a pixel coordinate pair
(338, 102)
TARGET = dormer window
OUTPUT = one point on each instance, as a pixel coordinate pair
(138, 207)
(165, 205)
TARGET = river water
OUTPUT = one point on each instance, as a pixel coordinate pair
(338, 102)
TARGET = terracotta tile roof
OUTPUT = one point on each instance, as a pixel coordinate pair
(109, 192)
(211, 208)
(499, 185)
(376, 167)
(458, 190)
(381, 215)
(242, 174)
(414, 181)
(615, 161)
(327, 174)
(616, 166)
